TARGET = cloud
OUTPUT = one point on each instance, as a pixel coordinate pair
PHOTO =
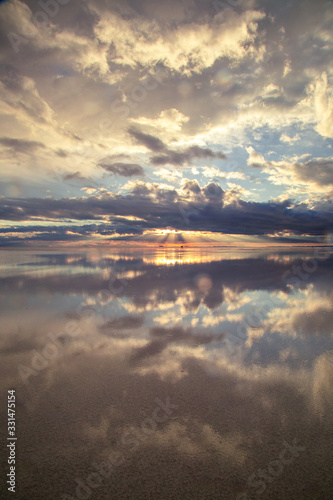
(192, 47)
(232, 79)
(318, 171)
(323, 101)
(215, 172)
(162, 337)
(156, 206)
(75, 176)
(185, 156)
(112, 327)
(290, 140)
(123, 169)
(192, 186)
(318, 322)
(151, 142)
(21, 145)
(169, 156)
(255, 159)
(315, 174)
(213, 192)
(173, 175)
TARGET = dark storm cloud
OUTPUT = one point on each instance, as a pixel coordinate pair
(123, 169)
(167, 155)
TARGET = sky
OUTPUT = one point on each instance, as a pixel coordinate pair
(166, 123)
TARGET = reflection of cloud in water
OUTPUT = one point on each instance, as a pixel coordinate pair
(161, 338)
(235, 406)
(231, 420)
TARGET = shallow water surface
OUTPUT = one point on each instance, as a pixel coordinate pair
(169, 373)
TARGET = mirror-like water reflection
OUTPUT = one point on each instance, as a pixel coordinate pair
(170, 373)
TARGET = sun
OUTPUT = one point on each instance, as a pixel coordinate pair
(174, 237)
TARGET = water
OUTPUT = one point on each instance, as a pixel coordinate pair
(169, 373)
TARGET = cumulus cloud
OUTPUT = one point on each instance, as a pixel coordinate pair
(213, 192)
(192, 186)
(151, 205)
(163, 88)
(191, 48)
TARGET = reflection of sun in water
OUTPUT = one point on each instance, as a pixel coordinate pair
(178, 247)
